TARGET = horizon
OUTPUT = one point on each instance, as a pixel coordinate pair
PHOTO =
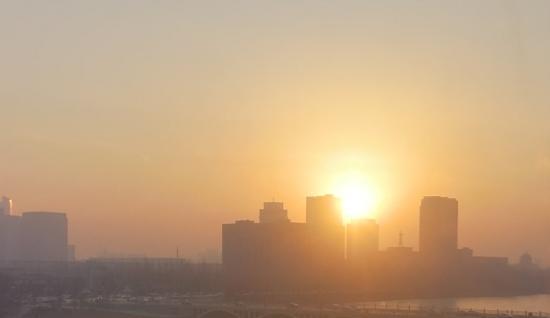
(213, 254)
(152, 123)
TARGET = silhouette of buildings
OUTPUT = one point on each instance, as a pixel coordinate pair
(324, 211)
(44, 236)
(264, 256)
(276, 254)
(326, 233)
(438, 225)
(362, 240)
(9, 237)
(273, 212)
(319, 255)
(324, 220)
(33, 236)
(6, 206)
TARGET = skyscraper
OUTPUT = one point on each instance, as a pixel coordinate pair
(273, 212)
(323, 210)
(43, 236)
(362, 240)
(5, 206)
(324, 222)
(438, 225)
(10, 226)
(9, 231)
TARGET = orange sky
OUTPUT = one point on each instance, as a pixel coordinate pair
(151, 123)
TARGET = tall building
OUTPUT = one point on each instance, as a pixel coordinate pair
(273, 212)
(43, 236)
(328, 238)
(438, 225)
(362, 240)
(9, 231)
(10, 226)
(265, 256)
(323, 210)
(6, 206)
(279, 255)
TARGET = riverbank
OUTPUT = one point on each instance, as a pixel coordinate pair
(531, 303)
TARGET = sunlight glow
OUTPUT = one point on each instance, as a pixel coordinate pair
(359, 198)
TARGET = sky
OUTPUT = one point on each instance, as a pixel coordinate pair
(151, 123)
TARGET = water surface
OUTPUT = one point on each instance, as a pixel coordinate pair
(532, 303)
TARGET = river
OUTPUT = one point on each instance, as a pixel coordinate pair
(532, 303)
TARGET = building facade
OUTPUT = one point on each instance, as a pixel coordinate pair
(10, 230)
(6, 206)
(265, 256)
(273, 212)
(438, 225)
(324, 211)
(362, 240)
(44, 236)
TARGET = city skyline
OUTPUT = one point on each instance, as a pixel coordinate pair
(275, 159)
(33, 236)
(275, 212)
(323, 254)
(153, 122)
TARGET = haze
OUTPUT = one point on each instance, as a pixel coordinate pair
(152, 122)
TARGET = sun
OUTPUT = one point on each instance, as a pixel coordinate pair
(358, 196)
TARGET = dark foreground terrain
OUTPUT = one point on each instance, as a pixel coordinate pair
(85, 313)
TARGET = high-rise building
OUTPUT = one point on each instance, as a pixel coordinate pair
(273, 212)
(6, 206)
(9, 230)
(265, 256)
(323, 210)
(438, 225)
(328, 238)
(10, 226)
(43, 236)
(362, 240)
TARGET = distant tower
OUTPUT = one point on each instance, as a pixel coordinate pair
(273, 212)
(438, 225)
(6, 206)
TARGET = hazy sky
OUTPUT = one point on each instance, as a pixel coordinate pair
(152, 122)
